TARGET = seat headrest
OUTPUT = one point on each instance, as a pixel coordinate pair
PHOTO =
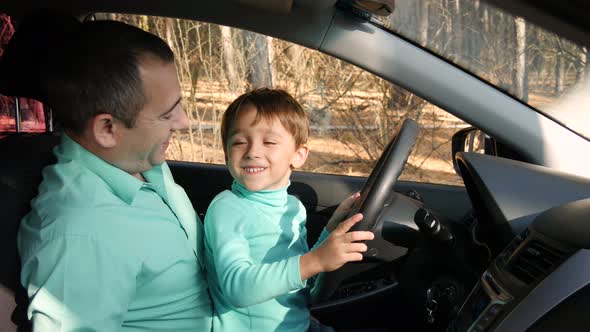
(26, 54)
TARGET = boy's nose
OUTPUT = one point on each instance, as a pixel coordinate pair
(253, 152)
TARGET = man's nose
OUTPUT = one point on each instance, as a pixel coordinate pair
(181, 121)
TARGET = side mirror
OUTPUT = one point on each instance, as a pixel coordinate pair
(474, 140)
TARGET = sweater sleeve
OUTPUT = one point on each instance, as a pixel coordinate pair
(323, 236)
(240, 280)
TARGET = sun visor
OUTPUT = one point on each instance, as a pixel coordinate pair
(27, 53)
(271, 6)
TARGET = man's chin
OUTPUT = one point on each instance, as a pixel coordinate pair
(157, 162)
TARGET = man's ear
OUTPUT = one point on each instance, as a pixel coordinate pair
(300, 156)
(104, 130)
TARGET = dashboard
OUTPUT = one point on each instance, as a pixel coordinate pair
(537, 223)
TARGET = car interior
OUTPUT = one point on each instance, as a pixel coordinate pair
(508, 251)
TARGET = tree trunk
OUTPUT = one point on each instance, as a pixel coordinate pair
(423, 23)
(258, 71)
(582, 67)
(271, 60)
(559, 74)
(404, 17)
(170, 32)
(520, 72)
(230, 60)
(486, 19)
(458, 30)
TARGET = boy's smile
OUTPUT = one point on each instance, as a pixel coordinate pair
(261, 154)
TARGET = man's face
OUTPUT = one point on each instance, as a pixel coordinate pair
(260, 155)
(144, 146)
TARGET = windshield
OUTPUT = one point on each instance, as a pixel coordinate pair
(532, 64)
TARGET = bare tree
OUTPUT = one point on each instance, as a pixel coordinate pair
(520, 69)
(582, 68)
(259, 72)
(230, 60)
(559, 73)
(423, 23)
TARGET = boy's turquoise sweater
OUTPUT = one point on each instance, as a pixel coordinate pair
(253, 244)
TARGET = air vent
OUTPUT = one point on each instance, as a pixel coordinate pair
(507, 252)
(535, 260)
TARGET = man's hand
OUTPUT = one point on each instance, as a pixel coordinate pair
(341, 211)
(339, 248)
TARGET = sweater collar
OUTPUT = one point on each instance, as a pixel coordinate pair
(277, 197)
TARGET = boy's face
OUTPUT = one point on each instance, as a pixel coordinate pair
(260, 156)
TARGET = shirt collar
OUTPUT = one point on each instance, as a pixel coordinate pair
(123, 184)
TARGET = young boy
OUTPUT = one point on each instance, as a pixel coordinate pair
(258, 260)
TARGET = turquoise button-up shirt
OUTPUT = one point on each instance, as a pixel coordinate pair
(104, 251)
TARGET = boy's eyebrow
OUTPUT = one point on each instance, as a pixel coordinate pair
(266, 131)
(173, 106)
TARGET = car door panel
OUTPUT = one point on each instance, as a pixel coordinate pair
(319, 193)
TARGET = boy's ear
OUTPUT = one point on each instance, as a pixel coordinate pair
(300, 156)
(103, 129)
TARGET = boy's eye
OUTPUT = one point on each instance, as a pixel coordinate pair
(238, 143)
(270, 142)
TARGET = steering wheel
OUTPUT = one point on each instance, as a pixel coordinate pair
(375, 192)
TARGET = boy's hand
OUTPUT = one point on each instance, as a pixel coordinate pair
(339, 248)
(341, 211)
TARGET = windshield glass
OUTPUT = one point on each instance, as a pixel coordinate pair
(536, 66)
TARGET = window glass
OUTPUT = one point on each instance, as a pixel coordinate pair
(32, 118)
(353, 113)
(534, 65)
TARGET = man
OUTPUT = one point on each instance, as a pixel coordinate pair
(112, 243)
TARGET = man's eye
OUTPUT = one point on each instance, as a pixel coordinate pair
(167, 116)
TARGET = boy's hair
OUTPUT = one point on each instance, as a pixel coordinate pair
(96, 71)
(270, 104)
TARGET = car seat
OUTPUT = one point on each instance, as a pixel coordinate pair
(23, 155)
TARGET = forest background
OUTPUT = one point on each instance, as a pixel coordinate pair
(354, 113)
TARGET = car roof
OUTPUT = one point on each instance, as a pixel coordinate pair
(305, 23)
(302, 21)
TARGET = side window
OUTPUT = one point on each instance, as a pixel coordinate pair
(353, 113)
(17, 114)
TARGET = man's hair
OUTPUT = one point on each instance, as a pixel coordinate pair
(270, 104)
(96, 71)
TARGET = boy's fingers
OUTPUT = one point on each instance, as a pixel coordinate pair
(349, 202)
(348, 223)
(359, 236)
(354, 257)
(357, 247)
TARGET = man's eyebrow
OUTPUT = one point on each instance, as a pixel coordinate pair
(173, 107)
